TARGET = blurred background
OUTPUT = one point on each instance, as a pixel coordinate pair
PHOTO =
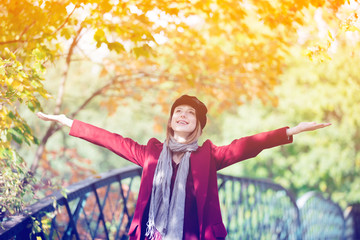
(257, 65)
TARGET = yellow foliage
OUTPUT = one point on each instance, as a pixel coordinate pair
(226, 51)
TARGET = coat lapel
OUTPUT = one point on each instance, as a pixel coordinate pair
(150, 172)
(200, 171)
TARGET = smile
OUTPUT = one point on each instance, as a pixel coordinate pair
(182, 122)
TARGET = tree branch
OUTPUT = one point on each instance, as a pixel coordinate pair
(66, 20)
(39, 38)
(66, 72)
(52, 129)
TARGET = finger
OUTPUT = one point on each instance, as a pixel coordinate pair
(40, 115)
(322, 125)
(43, 116)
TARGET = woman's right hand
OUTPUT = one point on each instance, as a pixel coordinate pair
(62, 119)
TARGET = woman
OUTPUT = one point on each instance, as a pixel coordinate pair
(178, 196)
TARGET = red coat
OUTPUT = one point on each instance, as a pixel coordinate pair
(205, 162)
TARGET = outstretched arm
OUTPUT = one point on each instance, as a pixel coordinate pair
(305, 126)
(124, 147)
(251, 146)
(62, 119)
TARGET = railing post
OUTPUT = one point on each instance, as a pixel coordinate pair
(71, 229)
(27, 231)
(101, 214)
(356, 219)
(352, 222)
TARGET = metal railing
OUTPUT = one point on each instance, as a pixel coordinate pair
(352, 222)
(257, 209)
(101, 207)
(321, 218)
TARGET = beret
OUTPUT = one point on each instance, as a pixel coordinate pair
(192, 101)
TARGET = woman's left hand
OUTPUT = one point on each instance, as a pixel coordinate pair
(305, 126)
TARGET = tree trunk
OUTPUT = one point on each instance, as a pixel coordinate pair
(59, 100)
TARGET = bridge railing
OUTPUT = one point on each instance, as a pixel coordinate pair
(320, 217)
(257, 209)
(102, 207)
(352, 222)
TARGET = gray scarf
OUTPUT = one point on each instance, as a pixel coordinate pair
(166, 218)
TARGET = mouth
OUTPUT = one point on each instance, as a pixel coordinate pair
(182, 122)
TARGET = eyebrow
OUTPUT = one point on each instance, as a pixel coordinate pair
(190, 108)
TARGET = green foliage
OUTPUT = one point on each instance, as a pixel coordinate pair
(21, 71)
(21, 84)
(326, 160)
(12, 176)
(228, 51)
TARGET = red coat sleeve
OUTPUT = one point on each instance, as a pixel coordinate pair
(124, 147)
(248, 147)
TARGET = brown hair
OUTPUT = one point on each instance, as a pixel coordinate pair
(191, 138)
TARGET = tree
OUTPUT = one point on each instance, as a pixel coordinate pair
(229, 51)
(326, 161)
(21, 75)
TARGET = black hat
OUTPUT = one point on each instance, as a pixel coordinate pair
(192, 101)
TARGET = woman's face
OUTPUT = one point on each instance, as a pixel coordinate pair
(183, 121)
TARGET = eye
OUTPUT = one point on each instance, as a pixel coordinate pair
(192, 112)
